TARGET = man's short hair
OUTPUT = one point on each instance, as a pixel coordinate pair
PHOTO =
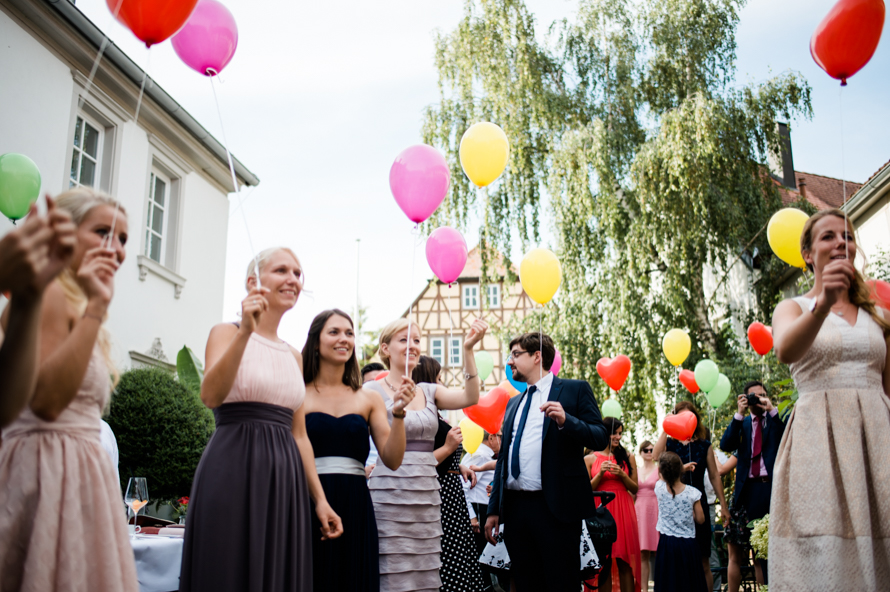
(531, 342)
(751, 384)
(372, 367)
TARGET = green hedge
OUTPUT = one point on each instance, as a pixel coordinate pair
(161, 429)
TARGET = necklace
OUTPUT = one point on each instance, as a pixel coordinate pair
(391, 387)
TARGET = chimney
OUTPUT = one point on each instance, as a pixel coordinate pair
(802, 184)
(781, 165)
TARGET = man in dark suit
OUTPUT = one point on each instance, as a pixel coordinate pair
(541, 488)
(756, 437)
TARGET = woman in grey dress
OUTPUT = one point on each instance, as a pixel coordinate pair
(406, 501)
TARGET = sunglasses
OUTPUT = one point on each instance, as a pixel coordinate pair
(648, 449)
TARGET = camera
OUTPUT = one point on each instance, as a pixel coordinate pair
(753, 401)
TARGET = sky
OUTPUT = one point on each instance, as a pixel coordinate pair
(321, 97)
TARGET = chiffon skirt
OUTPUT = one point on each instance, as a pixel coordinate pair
(63, 525)
(248, 525)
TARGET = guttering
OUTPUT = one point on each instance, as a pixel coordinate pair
(868, 194)
(128, 67)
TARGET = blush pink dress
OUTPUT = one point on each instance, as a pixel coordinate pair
(62, 521)
(647, 512)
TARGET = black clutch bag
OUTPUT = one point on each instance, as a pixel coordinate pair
(601, 526)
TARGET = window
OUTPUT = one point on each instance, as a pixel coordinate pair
(158, 208)
(87, 154)
(494, 296)
(437, 349)
(455, 358)
(471, 297)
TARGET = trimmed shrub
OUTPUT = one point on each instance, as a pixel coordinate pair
(161, 429)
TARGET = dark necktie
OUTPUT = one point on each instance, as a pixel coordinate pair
(757, 428)
(514, 458)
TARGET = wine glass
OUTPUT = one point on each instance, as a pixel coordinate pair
(136, 497)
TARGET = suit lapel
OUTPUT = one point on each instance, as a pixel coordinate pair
(555, 392)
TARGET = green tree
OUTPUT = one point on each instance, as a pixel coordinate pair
(629, 121)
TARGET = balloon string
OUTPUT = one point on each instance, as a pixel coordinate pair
(256, 260)
(541, 343)
(95, 68)
(843, 172)
(450, 330)
(408, 349)
(142, 88)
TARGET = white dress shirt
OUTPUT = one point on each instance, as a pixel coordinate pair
(109, 443)
(483, 454)
(532, 439)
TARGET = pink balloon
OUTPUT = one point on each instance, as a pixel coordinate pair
(209, 38)
(446, 252)
(419, 180)
(557, 364)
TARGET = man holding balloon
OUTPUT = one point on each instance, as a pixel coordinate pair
(541, 490)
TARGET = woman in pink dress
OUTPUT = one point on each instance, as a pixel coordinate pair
(62, 524)
(614, 470)
(647, 509)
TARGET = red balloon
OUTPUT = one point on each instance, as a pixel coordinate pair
(687, 377)
(614, 371)
(489, 412)
(152, 21)
(880, 293)
(680, 426)
(382, 375)
(761, 338)
(847, 37)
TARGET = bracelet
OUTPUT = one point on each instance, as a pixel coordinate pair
(402, 416)
(87, 315)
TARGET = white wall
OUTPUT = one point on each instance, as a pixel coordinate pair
(875, 231)
(37, 97)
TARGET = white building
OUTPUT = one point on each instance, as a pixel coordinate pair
(869, 209)
(169, 173)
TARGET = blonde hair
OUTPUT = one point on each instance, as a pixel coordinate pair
(386, 335)
(257, 264)
(859, 293)
(79, 203)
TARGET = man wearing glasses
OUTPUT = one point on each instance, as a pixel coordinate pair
(541, 489)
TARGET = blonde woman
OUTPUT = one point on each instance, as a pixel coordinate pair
(248, 525)
(54, 475)
(406, 501)
(830, 505)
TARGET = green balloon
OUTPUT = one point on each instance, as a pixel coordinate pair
(484, 364)
(611, 408)
(720, 392)
(706, 373)
(19, 185)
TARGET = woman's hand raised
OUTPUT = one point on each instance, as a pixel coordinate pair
(96, 275)
(476, 333)
(252, 308)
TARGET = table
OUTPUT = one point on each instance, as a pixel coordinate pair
(158, 560)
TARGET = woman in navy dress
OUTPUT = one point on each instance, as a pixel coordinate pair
(339, 414)
(698, 456)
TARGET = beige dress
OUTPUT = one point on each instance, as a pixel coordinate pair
(62, 521)
(830, 511)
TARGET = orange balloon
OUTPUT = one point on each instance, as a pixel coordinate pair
(489, 412)
(511, 390)
(152, 21)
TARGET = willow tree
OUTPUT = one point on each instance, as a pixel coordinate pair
(629, 133)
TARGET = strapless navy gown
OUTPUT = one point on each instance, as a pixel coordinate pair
(351, 562)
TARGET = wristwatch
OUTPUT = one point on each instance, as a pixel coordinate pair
(813, 309)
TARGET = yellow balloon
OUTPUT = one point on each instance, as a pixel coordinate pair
(484, 150)
(783, 234)
(540, 274)
(676, 345)
(472, 435)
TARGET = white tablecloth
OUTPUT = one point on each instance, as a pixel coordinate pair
(157, 562)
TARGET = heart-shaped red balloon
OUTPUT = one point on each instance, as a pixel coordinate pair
(761, 338)
(489, 412)
(880, 292)
(152, 21)
(687, 377)
(680, 426)
(614, 371)
(847, 37)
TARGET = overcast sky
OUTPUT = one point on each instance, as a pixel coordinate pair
(321, 96)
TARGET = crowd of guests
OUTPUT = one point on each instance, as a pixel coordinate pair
(284, 497)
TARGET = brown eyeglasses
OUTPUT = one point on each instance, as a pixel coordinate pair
(647, 450)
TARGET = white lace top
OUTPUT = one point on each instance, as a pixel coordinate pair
(675, 516)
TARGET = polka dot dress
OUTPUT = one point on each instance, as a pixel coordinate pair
(460, 570)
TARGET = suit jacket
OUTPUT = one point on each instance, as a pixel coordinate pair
(738, 437)
(564, 478)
